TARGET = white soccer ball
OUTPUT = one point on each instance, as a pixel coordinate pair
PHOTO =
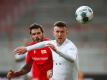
(84, 14)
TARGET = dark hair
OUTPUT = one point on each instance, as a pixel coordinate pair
(35, 26)
(60, 24)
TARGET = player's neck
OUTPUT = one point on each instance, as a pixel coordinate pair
(60, 43)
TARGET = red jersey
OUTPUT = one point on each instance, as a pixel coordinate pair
(41, 60)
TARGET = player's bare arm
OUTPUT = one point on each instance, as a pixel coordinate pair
(24, 70)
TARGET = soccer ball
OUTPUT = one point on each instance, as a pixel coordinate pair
(84, 14)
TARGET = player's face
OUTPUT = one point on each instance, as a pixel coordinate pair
(60, 34)
(37, 35)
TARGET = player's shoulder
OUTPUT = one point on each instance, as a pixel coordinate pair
(70, 43)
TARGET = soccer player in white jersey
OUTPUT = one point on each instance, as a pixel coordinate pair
(65, 54)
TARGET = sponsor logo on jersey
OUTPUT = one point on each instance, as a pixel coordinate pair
(40, 58)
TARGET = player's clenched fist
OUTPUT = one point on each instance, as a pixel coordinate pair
(20, 50)
(10, 74)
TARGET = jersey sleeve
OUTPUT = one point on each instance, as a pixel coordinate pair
(19, 57)
(71, 53)
(38, 45)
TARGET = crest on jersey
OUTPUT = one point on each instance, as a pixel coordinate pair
(43, 51)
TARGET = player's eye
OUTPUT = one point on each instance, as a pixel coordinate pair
(39, 33)
(33, 34)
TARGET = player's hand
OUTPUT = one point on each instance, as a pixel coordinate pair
(52, 47)
(10, 74)
(49, 74)
(20, 50)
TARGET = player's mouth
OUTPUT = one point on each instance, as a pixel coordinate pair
(59, 38)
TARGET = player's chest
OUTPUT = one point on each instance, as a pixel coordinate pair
(57, 57)
(45, 52)
(41, 55)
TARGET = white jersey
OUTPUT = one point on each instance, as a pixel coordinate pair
(64, 69)
(65, 62)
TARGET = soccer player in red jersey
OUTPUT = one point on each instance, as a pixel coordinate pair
(40, 60)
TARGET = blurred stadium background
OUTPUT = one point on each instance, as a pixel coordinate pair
(91, 39)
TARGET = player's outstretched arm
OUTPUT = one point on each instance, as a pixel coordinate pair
(12, 74)
(38, 45)
(22, 50)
